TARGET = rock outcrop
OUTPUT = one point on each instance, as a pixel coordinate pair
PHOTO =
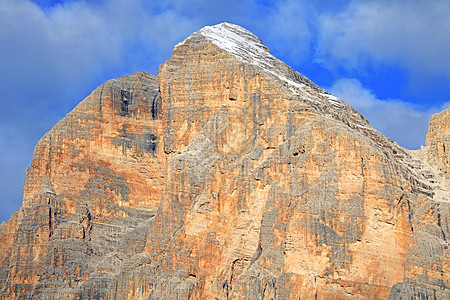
(229, 176)
(438, 142)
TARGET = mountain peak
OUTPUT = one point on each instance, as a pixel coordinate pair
(250, 49)
(247, 48)
(225, 176)
(230, 37)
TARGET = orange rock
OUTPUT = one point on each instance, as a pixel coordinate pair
(229, 175)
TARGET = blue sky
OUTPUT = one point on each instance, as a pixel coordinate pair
(388, 59)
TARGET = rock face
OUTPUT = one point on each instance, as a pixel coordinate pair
(438, 143)
(229, 176)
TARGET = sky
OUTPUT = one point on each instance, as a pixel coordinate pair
(387, 58)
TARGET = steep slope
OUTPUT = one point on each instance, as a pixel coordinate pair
(438, 143)
(94, 177)
(229, 176)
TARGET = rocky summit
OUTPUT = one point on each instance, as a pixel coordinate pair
(228, 176)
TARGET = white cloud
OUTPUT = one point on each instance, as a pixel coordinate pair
(52, 57)
(401, 121)
(412, 34)
(287, 27)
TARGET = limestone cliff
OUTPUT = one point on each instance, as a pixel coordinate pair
(229, 176)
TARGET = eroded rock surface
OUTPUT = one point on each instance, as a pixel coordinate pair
(229, 176)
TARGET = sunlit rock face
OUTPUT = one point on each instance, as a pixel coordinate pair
(438, 142)
(228, 176)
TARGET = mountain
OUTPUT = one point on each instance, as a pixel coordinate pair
(228, 176)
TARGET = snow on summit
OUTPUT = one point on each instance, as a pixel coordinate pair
(230, 37)
(248, 48)
(245, 46)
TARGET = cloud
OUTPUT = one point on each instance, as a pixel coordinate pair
(403, 122)
(53, 57)
(49, 61)
(287, 26)
(410, 34)
(54, 53)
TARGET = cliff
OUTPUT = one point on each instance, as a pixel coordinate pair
(228, 176)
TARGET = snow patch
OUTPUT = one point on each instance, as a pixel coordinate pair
(333, 100)
(361, 126)
(245, 46)
(330, 97)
